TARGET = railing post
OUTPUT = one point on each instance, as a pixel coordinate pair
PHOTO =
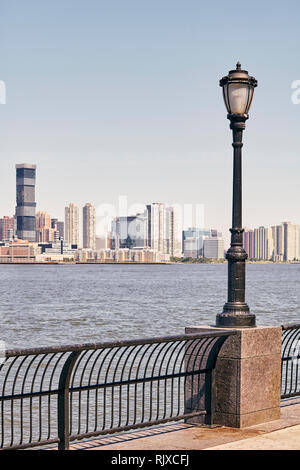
(247, 376)
(200, 392)
(63, 417)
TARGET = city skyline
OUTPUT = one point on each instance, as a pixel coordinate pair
(82, 230)
(156, 228)
(144, 114)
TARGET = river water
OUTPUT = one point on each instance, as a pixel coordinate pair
(44, 305)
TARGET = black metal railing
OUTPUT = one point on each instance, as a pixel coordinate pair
(61, 394)
(290, 361)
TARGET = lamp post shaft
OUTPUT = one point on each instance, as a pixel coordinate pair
(236, 312)
(237, 178)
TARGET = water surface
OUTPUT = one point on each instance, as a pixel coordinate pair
(45, 305)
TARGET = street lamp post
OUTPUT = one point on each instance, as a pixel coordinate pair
(238, 88)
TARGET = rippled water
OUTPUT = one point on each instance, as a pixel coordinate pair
(51, 305)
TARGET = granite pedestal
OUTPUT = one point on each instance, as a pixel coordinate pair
(247, 376)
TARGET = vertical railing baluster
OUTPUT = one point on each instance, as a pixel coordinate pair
(150, 376)
(63, 414)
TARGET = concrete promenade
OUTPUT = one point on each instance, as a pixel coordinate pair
(282, 434)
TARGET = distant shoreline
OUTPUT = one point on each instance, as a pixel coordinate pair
(132, 263)
(78, 263)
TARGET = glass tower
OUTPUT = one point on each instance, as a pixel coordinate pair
(25, 209)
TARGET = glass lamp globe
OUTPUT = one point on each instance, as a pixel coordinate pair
(238, 88)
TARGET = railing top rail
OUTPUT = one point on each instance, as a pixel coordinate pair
(291, 326)
(115, 344)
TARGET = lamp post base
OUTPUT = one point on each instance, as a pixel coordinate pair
(235, 315)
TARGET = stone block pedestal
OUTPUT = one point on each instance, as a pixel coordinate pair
(247, 376)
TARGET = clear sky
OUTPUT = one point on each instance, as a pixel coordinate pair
(122, 97)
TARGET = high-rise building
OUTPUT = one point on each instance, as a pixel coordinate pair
(89, 226)
(213, 248)
(54, 223)
(44, 231)
(72, 224)
(25, 209)
(60, 227)
(269, 244)
(129, 232)
(194, 233)
(248, 242)
(156, 226)
(278, 241)
(173, 232)
(191, 247)
(291, 241)
(7, 228)
(263, 243)
(43, 220)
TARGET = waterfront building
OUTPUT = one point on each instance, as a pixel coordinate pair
(143, 255)
(248, 242)
(123, 255)
(173, 232)
(46, 235)
(158, 228)
(129, 232)
(146, 256)
(278, 241)
(18, 251)
(43, 220)
(44, 231)
(72, 224)
(103, 242)
(105, 256)
(192, 247)
(89, 226)
(59, 250)
(25, 209)
(259, 243)
(155, 214)
(196, 246)
(291, 241)
(263, 243)
(269, 244)
(60, 227)
(86, 256)
(7, 228)
(213, 248)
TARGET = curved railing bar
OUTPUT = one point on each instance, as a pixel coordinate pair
(118, 364)
(288, 339)
(289, 376)
(113, 344)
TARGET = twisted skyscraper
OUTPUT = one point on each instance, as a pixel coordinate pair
(25, 210)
